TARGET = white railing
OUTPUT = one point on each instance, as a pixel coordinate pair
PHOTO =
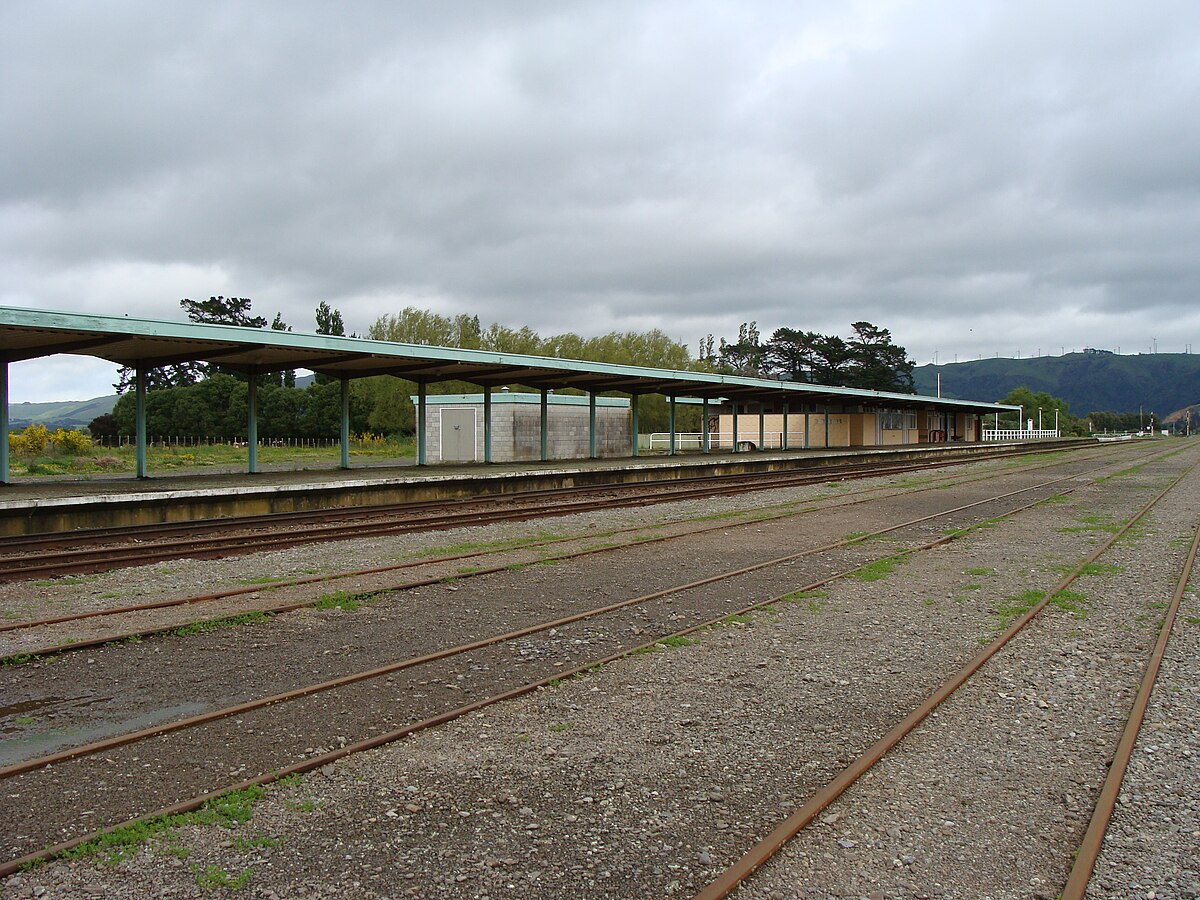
(1017, 434)
(694, 440)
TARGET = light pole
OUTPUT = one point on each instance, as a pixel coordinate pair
(1039, 418)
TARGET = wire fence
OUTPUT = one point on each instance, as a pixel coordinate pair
(191, 441)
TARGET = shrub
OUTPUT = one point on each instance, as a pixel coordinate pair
(72, 443)
(37, 439)
(30, 442)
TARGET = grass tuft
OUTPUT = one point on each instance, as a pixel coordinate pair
(251, 618)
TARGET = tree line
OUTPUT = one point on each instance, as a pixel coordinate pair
(210, 400)
(867, 359)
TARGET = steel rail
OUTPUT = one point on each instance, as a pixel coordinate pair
(291, 606)
(765, 849)
(307, 690)
(449, 715)
(18, 567)
(1093, 839)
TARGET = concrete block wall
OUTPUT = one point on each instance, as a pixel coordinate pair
(516, 428)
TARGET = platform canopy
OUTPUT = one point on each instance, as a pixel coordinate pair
(31, 333)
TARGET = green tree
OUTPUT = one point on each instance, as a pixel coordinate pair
(329, 320)
(1048, 405)
(744, 357)
(222, 311)
(878, 364)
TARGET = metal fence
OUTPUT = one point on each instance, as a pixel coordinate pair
(694, 440)
(1018, 434)
(189, 441)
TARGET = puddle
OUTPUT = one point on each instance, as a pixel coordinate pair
(26, 744)
(28, 706)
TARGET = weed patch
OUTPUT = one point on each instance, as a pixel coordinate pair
(796, 596)
(677, 640)
(1010, 609)
(878, 570)
(1099, 569)
(1070, 601)
(111, 848)
(339, 600)
(250, 618)
(212, 878)
(1092, 523)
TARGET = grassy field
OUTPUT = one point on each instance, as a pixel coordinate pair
(121, 460)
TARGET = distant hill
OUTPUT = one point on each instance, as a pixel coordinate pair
(1095, 381)
(63, 414)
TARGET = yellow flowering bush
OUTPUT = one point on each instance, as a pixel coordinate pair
(30, 442)
(71, 443)
(37, 440)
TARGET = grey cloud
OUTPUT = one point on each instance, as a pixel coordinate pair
(928, 166)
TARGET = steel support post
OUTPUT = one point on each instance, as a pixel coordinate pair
(422, 414)
(633, 414)
(672, 451)
(345, 431)
(762, 427)
(487, 423)
(785, 425)
(139, 406)
(826, 427)
(807, 440)
(592, 425)
(252, 421)
(5, 477)
(704, 442)
(545, 425)
(735, 427)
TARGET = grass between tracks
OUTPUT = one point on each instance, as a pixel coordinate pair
(162, 834)
(228, 811)
(1010, 609)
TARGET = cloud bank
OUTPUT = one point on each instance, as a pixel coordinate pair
(984, 178)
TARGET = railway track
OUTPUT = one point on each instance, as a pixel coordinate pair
(353, 581)
(98, 550)
(765, 850)
(379, 687)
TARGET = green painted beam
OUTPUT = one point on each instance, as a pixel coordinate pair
(344, 430)
(5, 475)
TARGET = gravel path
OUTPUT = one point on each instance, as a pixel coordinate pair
(647, 777)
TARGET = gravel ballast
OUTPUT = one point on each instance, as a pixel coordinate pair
(646, 777)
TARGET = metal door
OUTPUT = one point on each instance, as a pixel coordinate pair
(458, 435)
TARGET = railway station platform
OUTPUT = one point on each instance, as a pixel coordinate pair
(47, 505)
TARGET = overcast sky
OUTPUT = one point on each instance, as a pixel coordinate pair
(979, 177)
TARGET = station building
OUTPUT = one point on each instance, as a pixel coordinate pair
(765, 426)
(761, 413)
